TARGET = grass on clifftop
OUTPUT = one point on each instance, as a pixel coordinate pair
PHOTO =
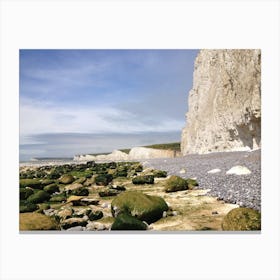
(166, 146)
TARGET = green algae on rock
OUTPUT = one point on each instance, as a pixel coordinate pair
(242, 219)
(125, 221)
(37, 221)
(176, 183)
(145, 207)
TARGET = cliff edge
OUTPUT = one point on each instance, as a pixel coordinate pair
(225, 102)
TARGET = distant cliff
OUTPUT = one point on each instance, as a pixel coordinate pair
(225, 102)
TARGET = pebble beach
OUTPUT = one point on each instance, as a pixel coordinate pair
(244, 190)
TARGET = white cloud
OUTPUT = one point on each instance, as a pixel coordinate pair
(44, 117)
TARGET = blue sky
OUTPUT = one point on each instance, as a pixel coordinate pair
(70, 93)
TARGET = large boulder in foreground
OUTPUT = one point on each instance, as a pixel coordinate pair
(242, 219)
(36, 221)
(127, 222)
(144, 207)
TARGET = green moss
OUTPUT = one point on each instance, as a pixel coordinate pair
(127, 222)
(24, 193)
(176, 183)
(103, 179)
(67, 179)
(242, 219)
(32, 183)
(80, 192)
(38, 197)
(52, 188)
(58, 198)
(46, 182)
(27, 207)
(37, 221)
(95, 215)
(145, 179)
(144, 207)
(191, 183)
(159, 174)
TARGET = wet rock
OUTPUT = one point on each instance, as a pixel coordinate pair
(127, 222)
(145, 179)
(38, 197)
(66, 179)
(144, 207)
(74, 222)
(176, 183)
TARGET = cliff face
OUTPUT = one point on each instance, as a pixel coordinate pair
(225, 102)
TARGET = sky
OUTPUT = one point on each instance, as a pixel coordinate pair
(92, 101)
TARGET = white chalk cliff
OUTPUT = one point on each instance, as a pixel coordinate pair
(225, 102)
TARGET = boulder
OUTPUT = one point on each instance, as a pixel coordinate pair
(95, 215)
(145, 207)
(176, 183)
(74, 222)
(242, 219)
(160, 174)
(32, 183)
(66, 179)
(24, 193)
(36, 221)
(38, 197)
(103, 179)
(58, 197)
(27, 207)
(125, 221)
(52, 188)
(80, 192)
(145, 179)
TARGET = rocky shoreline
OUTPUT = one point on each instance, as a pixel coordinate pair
(244, 190)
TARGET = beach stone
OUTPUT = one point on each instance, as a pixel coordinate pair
(125, 221)
(182, 171)
(58, 197)
(77, 228)
(88, 201)
(103, 179)
(24, 193)
(95, 215)
(175, 183)
(66, 179)
(145, 179)
(242, 219)
(32, 183)
(52, 188)
(79, 192)
(213, 171)
(145, 207)
(239, 170)
(28, 207)
(73, 222)
(36, 221)
(64, 213)
(73, 186)
(96, 226)
(109, 192)
(49, 212)
(38, 197)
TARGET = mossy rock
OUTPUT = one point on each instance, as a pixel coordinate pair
(37, 221)
(137, 167)
(176, 183)
(24, 193)
(127, 222)
(95, 215)
(80, 192)
(242, 219)
(46, 182)
(52, 188)
(191, 183)
(66, 179)
(58, 197)
(53, 175)
(38, 197)
(27, 207)
(81, 180)
(103, 179)
(145, 207)
(159, 174)
(145, 179)
(32, 183)
(109, 192)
